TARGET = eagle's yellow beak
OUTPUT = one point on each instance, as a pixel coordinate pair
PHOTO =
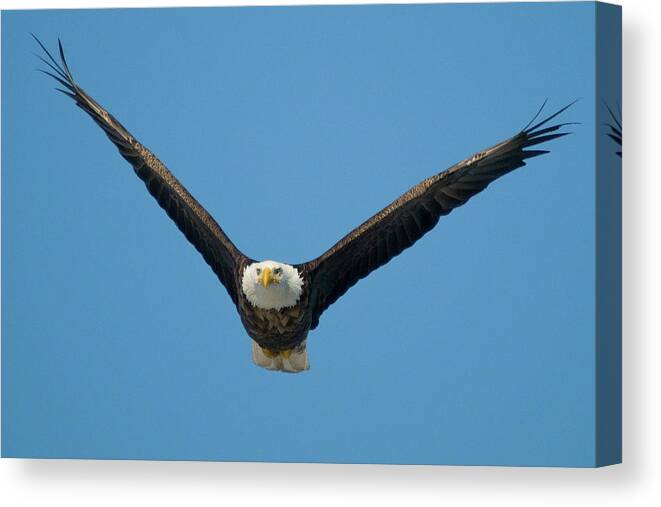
(266, 278)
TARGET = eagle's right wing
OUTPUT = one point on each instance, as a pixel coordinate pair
(404, 221)
(615, 130)
(191, 218)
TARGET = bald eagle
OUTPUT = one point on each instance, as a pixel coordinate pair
(280, 303)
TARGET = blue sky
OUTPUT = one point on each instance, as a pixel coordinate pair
(292, 126)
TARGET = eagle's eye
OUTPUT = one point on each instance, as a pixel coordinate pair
(258, 271)
(277, 271)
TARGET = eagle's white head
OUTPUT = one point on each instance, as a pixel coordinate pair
(272, 285)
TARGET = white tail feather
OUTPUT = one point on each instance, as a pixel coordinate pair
(295, 363)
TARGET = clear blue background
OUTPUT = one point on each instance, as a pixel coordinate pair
(292, 126)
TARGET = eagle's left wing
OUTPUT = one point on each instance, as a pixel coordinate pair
(188, 214)
(403, 222)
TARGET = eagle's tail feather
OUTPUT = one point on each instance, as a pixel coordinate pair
(292, 361)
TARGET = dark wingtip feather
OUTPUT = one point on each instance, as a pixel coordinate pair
(61, 72)
(531, 130)
(534, 153)
(51, 66)
(615, 132)
(543, 139)
(536, 114)
(64, 60)
(59, 68)
(552, 128)
(616, 138)
(610, 111)
(67, 93)
(64, 83)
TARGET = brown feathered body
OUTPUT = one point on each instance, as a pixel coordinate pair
(275, 330)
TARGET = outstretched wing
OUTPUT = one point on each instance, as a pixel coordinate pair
(615, 130)
(403, 222)
(189, 215)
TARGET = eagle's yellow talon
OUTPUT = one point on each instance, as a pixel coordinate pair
(286, 353)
